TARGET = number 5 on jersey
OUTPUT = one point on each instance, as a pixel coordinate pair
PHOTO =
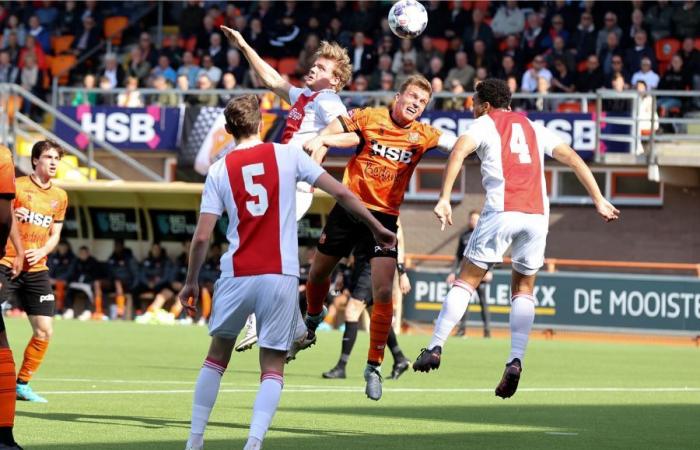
(255, 189)
(518, 144)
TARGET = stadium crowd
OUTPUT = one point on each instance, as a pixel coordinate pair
(538, 47)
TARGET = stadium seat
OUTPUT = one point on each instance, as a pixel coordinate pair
(114, 26)
(271, 61)
(60, 67)
(61, 44)
(665, 49)
(441, 44)
(569, 107)
(287, 66)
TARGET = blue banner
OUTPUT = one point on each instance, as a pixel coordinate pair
(152, 128)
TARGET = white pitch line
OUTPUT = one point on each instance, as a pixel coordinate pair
(560, 433)
(349, 389)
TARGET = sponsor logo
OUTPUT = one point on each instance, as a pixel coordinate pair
(379, 249)
(391, 153)
(294, 114)
(46, 298)
(35, 218)
(381, 173)
(54, 204)
(413, 137)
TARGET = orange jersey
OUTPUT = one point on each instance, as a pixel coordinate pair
(46, 207)
(7, 173)
(380, 171)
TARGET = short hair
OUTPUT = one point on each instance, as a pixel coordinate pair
(339, 55)
(243, 116)
(41, 147)
(419, 81)
(495, 92)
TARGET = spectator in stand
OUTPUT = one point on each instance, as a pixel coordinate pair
(583, 41)
(257, 37)
(542, 103)
(286, 37)
(463, 72)
(426, 53)
(646, 74)
(113, 71)
(459, 18)
(454, 45)
(617, 105)
(85, 97)
(640, 50)
(645, 114)
(509, 19)
(480, 57)
(435, 68)
(91, 8)
(69, 19)
(228, 82)
(515, 104)
(31, 47)
(533, 36)
(13, 25)
(610, 26)
(172, 50)
(165, 96)
(41, 34)
(155, 274)
(660, 20)
(455, 103)
(387, 85)
(47, 14)
(191, 18)
(361, 55)
(137, 66)
(234, 65)
(691, 57)
(210, 70)
(559, 51)
(408, 69)
(131, 98)
(538, 70)
(121, 277)
(306, 55)
(592, 78)
(513, 50)
(406, 50)
(88, 39)
(84, 274)
(436, 104)
(205, 99)
(148, 52)
(216, 50)
(360, 84)
(618, 67)
(164, 69)
(675, 79)
(383, 66)
(480, 75)
(106, 97)
(636, 26)
(386, 45)
(167, 294)
(265, 12)
(12, 47)
(439, 16)
(205, 30)
(189, 69)
(556, 30)
(562, 79)
(478, 29)
(686, 20)
(611, 49)
(60, 263)
(507, 69)
(9, 73)
(31, 78)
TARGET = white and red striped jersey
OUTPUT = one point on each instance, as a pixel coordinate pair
(311, 112)
(512, 149)
(256, 186)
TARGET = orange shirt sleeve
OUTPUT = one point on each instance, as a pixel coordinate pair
(357, 121)
(433, 136)
(63, 205)
(7, 173)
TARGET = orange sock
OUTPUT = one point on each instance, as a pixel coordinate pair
(8, 386)
(121, 301)
(98, 308)
(60, 293)
(33, 356)
(379, 326)
(316, 295)
(176, 309)
(206, 303)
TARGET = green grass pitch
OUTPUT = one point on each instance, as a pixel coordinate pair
(127, 386)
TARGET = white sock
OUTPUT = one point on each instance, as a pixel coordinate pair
(265, 404)
(456, 302)
(253, 444)
(522, 315)
(205, 392)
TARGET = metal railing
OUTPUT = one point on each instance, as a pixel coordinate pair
(11, 130)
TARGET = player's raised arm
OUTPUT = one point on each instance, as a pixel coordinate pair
(464, 146)
(566, 155)
(269, 76)
(333, 135)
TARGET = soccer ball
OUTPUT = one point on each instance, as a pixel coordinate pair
(408, 19)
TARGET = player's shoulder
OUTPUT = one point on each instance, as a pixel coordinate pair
(58, 192)
(23, 181)
(5, 154)
(328, 95)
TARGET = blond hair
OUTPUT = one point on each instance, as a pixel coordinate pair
(418, 81)
(339, 55)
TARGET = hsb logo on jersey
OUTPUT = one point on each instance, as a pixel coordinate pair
(394, 154)
(38, 219)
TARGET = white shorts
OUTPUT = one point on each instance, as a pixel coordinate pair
(273, 298)
(496, 231)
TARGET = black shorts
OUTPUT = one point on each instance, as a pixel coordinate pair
(32, 290)
(343, 233)
(361, 281)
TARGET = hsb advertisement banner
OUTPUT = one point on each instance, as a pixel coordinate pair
(151, 128)
(620, 301)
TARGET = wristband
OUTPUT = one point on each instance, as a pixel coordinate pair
(400, 267)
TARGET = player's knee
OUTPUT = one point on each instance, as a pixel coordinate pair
(43, 333)
(382, 294)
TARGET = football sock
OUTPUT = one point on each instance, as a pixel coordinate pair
(349, 338)
(205, 393)
(121, 301)
(8, 396)
(522, 315)
(316, 295)
(453, 308)
(98, 306)
(60, 294)
(206, 303)
(379, 326)
(33, 355)
(265, 404)
(394, 346)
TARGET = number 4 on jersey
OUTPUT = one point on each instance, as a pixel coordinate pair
(255, 189)
(518, 144)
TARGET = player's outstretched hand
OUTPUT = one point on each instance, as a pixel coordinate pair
(607, 211)
(443, 211)
(188, 298)
(233, 36)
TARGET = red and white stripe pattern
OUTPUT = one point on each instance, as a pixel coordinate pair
(464, 285)
(215, 365)
(525, 296)
(310, 113)
(272, 375)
